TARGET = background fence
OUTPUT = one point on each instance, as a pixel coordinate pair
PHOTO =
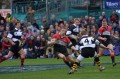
(60, 8)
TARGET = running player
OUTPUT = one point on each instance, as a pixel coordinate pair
(61, 42)
(72, 33)
(87, 48)
(104, 37)
(14, 38)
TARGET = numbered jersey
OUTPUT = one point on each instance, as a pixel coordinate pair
(87, 41)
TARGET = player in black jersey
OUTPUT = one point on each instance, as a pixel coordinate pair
(14, 38)
(73, 32)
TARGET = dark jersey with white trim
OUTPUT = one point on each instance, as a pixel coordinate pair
(73, 30)
(15, 35)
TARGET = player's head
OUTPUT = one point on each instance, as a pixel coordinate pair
(63, 31)
(76, 21)
(83, 32)
(17, 25)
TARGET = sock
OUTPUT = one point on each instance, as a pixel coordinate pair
(112, 57)
(75, 55)
(94, 62)
(22, 61)
(67, 62)
(98, 61)
(2, 59)
(75, 66)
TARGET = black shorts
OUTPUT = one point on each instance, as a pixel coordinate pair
(0, 44)
(106, 43)
(15, 48)
(88, 52)
(60, 49)
(74, 42)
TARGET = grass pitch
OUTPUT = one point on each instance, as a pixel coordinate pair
(55, 69)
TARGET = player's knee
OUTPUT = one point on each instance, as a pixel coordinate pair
(7, 56)
(99, 54)
(112, 54)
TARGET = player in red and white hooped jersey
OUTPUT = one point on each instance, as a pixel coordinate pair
(61, 42)
(105, 38)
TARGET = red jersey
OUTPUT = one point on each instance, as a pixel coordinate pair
(65, 39)
(104, 30)
(4, 45)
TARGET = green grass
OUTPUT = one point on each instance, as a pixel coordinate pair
(87, 72)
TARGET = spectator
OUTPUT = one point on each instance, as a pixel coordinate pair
(45, 24)
(114, 18)
(82, 27)
(1, 31)
(30, 26)
(25, 30)
(5, 33)
(8, 17)
(2, 22)
(31, 51)
(57, 28)
(7, 28)
(36, 30)
(118, 27)
(30, 14)
(104, 16)
(22, 23)
(2, 18)
(99, 23)
(53, 20)
(29, 33)
(71, 20)
(35, 24)
(52, 29)
(37, 46)
(50, 53)
(86, 20)
(114, 27)
(93, 23)
(43, 46)
(116, 38)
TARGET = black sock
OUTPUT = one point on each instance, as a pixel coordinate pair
(67, 63)
(113, 59)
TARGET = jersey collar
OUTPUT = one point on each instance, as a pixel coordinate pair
(84, 35)
(16, 29)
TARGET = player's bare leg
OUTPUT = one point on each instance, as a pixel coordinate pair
(3, 58)
(22, 57)
(66, 60)
(112, 54)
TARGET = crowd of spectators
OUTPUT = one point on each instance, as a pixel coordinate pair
(35, 37)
